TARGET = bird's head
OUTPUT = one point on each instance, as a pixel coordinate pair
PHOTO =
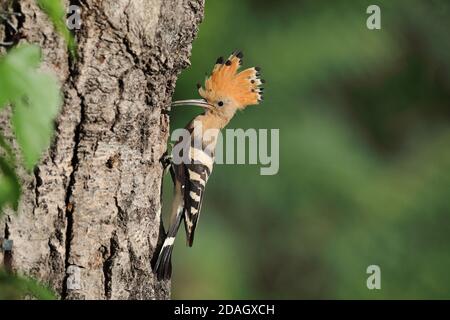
(227, 90)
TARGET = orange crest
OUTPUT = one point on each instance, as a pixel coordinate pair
(225, 82)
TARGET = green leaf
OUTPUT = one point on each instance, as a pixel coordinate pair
(12, 67)
(35, 100)
(18, 287)
(9, 186)
(56, 12)
(8, 149)
(33, 117)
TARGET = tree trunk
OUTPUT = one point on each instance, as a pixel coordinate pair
(89, 221)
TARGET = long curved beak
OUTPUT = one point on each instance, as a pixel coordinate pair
(193, 102)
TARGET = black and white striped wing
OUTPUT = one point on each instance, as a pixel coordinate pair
(197, 174)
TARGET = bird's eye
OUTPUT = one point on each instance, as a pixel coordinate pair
(220, 103)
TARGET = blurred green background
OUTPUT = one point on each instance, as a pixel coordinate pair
(364, 119)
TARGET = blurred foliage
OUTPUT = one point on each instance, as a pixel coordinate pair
(57, 13)
(35, 99)
(17, 287)
(9, 186)
(364, 119)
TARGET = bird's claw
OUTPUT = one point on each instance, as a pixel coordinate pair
(166, 161)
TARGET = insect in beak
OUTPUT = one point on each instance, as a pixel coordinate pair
(193, 102)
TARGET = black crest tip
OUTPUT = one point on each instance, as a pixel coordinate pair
(219, 60)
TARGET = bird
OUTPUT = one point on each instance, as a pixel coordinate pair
(226, 90)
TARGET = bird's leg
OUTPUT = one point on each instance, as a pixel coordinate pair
(166, 161)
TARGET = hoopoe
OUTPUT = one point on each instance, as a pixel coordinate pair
(225, 92)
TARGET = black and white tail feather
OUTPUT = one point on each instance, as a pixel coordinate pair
(163, 266)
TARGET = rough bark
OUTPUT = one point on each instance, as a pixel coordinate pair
(89, 220)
